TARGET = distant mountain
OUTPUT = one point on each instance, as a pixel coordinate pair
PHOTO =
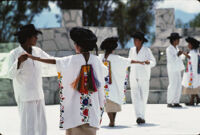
(184, 16)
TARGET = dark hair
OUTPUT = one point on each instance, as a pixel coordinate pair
(22, 38)
(109, 44)
(84, 38)
(171, 40)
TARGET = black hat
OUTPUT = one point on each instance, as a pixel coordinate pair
(195, 43)
(28, 29)
(109, 44)
(84, 38)
(174, 36)
(139, 35)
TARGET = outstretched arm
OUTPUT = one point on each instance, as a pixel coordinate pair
(137, 62)
(49, 61)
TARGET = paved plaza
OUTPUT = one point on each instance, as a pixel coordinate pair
(160, 120)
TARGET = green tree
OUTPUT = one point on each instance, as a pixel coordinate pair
(135, 15)
(95, 12)
(195, 22)
(13, 14)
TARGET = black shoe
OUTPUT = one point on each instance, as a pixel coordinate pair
(140, 121)
(177, 105)
(189, 104)
(170, 105)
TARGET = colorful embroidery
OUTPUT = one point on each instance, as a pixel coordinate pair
(125, 85)
(191, 74)
(86, 81)
(62, 98)
(108, 79)
(86, 103)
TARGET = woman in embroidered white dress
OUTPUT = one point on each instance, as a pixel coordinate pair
(81, 85)
(191, 77)
(114, 88)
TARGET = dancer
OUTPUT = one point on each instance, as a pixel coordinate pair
(114, 88)
(174, 68)
(27, 81)
(191, 77)
(140, 75)
(81, 85)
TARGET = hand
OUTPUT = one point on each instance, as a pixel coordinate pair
(179, 53)
(22, 58)
(30, 56)
(147, 62)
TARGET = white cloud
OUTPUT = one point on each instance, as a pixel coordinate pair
(54, 8)
(189, 6)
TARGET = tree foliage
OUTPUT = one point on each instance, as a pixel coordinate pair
(13, 14)
(127, 17)
(195, 22)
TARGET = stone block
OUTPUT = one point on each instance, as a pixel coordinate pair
(155, 83)
(164, 83)
(155, 71)
(6, 85)
(49, 45)
(49, 97)
(62, 41)
(163, 71)
(157, 97)
(48, 34)
(7, 98)
(64, 53)
(128, 96)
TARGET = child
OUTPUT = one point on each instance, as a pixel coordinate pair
(27, 81)
(114, 88)
(140, 75)
(81, 85)
(174, 68)
(191, 77)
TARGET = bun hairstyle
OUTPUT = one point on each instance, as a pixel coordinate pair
(195, 43)
(84, 38)
(109, 44)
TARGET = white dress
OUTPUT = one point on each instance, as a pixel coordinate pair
(191, 77)
(119, 65)
(76, 108)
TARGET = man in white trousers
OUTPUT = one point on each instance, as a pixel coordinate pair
(140, 75)
(174, 68)
(27, 82)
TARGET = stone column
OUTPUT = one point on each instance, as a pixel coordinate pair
(71, 18)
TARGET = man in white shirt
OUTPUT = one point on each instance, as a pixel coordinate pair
(174, 68)
(140, 75)
(27, 82)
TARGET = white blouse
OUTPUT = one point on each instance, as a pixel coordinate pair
(118, 73)
(76, 108)
(191, 78)
(174, 62)
(27, 80)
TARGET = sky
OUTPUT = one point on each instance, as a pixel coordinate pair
(185, 10)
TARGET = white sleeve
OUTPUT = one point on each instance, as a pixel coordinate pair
(62, 63)
(151, 58)
(48, 70)
(10, 66)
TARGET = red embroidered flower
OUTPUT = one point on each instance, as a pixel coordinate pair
(106, 86)
(85, 112)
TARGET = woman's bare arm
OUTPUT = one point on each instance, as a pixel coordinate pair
(49, 61)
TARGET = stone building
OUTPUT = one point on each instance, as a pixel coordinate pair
(56, 42)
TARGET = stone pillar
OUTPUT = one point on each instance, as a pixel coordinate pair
(71, 18)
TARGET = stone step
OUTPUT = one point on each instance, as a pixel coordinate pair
(156, 97)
